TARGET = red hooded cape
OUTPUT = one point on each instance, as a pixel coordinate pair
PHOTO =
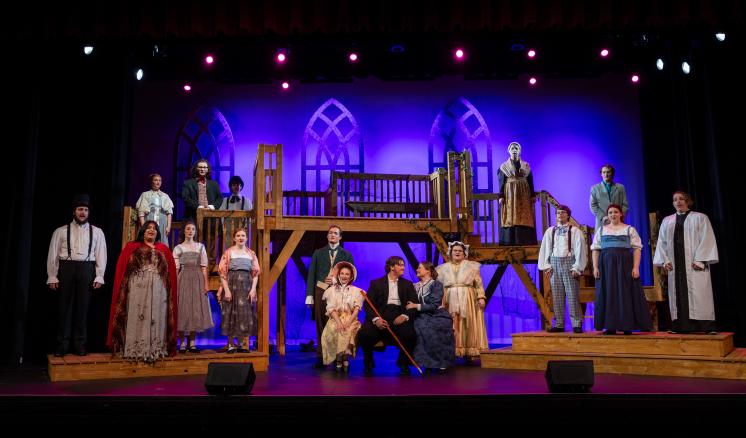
(118, 312)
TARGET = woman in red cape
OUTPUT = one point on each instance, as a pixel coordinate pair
(153, 294)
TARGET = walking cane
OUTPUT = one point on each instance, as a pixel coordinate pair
(398, 342)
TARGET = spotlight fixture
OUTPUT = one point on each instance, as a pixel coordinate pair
(604, 53)
(281, 56)
(285, 85)
(88, 50)
(720, 36)
(686, 68)
(397, 48)
(659, 64)
(139, 74)
(459, 54)
(187, 88)
(532, 80)
(635, 79)
(531, 54)
(353, 57)
(209, 59)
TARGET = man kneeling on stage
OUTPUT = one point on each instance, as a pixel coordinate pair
(389, 295)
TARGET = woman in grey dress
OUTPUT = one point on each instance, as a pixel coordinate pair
(436, 345)
(239, 274)
(142, 321)
(194, 306)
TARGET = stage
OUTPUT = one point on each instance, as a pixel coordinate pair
(292, 392)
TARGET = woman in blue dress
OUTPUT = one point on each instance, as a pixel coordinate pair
(436, 344)
(620, 300)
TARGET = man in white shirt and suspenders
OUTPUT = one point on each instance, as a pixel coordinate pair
(76, 263)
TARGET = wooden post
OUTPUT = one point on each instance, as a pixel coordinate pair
(263, 303)
(532, 290)
(452, 189)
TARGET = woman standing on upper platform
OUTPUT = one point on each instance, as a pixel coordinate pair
(154, 205)
(686, 249)
(517, 222)
(620, 301)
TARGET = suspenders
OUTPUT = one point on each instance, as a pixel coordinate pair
(90, 242)
(569, 240)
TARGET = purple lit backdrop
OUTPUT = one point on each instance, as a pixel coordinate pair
(568, 129)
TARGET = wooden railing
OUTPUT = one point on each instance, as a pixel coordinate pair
(130, 227)
(387, 195)
(305, 203)
(268, 183)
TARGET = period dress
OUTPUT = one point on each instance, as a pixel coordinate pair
(620, 301)
(436, 345)
(142, 322)
(156, 205)
(194, 305)
(344, 299)
(463, 287)
(517, 222)
(239, 314)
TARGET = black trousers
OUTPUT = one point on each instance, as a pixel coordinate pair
(369, 335)
(76, 281)
(319, 314)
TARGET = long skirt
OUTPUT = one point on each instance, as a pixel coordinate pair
(620, 300)
(470, 329)
(335, 342)
(194, 305)
(436, 344)
(147, 310)
(239, 315)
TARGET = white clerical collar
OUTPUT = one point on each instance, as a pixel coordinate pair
(334, 247)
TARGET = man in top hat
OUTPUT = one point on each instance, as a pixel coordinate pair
(76, 263)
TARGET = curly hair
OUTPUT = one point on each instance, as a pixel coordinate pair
(195, 172)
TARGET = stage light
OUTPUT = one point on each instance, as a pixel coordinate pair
(459, 54)
(139, 74)
(281, 56)
(209, 59)
(659, 64)
(686, 68)
(353, 57)
(285, 85)
(720, 36)
(532, 81)
(187, 88)
(635, 79)
(397, 48)
(88, 50)
(531, 54)
(604, 53)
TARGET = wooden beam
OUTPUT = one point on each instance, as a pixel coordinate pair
(409, 254)
(281, 312)
(532, 290)
(263, 299)
(358, 224)
(284, 256)
(494, 282)
(298, 261)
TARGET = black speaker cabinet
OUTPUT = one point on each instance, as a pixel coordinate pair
(569, 375)
(230, 378)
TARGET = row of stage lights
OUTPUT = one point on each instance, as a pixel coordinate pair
(459, 54)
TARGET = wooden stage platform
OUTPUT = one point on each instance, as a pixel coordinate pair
(97, 366)
(653, 354)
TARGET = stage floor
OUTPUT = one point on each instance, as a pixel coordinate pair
(293, 376)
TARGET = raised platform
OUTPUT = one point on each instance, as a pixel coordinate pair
(103, 366)
(655, 354)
